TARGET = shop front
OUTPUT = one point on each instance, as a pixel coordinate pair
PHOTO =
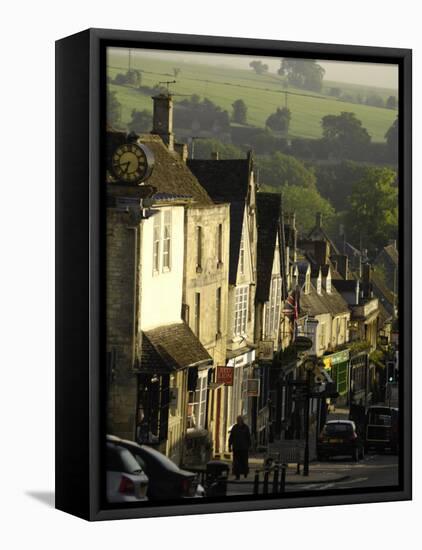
(337, 366)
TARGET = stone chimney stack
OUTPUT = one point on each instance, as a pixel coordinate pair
(321, 252)
(343, 265)
(367, 281)
(162, 120)
(182, 150)
(319, 220)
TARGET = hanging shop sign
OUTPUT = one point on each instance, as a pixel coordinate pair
(252, 387)
(225, 375)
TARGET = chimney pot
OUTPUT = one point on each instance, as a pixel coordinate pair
(162, 120)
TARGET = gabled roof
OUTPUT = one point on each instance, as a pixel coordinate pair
(268, 224)
(391, 252)
(224, 180)
(171, 347)
(227, 181)
(319, 234)
(170, 175)
(318, 304)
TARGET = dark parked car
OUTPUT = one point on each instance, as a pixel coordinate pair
(126, 480)
(381, 431)
(339, 437)
(166, 479)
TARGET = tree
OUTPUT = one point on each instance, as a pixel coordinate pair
(344, 135)
(335, 92)
(280, 120)
(279, 170)
(392, 138)
(391, 102)
(259, 67)
(375, 100)
(120, 79)
(134, 77)
(302, 73)
(141, 121)
(307, 203)
(372, 219)
(205, 147)
(113, 109)
(240, 111)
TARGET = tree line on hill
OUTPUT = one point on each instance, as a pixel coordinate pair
(360, 198)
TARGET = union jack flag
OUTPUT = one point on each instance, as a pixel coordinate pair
(291, 306)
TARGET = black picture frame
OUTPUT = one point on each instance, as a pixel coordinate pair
(80, 85)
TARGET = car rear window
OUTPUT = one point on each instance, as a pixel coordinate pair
(120, 459)
(380, 418)
(331, 429)
(152, 458)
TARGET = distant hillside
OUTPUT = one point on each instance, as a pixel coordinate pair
(262, 94)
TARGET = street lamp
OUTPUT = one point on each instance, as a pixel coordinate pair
(309, 368)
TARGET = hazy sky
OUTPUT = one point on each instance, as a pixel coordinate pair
(367, 74)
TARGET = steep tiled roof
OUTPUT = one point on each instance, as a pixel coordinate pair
(392, 253)
(226, 181)
(268, 222)
(170, 174)
(316, 304)
(171, 347)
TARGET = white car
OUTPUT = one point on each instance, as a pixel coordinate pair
(126, 481)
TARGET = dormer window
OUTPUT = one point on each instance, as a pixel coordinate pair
(328, 283)
(307, 288)
(319, 285)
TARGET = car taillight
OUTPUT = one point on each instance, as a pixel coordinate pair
(126, 485)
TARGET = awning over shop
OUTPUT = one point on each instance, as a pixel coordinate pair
(170, 348)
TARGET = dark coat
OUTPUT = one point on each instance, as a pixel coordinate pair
(240, 437)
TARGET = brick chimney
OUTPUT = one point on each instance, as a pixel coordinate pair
(162, 120)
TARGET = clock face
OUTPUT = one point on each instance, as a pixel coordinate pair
(130, 163)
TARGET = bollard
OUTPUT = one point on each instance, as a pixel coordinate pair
(256, 483)
(265, 488)
(283, 478)
(275, 479)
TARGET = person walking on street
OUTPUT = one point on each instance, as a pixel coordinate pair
(240, 442)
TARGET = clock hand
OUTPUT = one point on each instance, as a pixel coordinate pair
(126, 164)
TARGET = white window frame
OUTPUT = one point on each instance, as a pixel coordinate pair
(241, 310)
(272, 307)
(156, 243)
(200, 406)
(166, 248)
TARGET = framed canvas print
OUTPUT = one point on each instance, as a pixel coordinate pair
(233, 274)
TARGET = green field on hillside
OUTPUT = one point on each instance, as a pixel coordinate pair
(261, 93)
